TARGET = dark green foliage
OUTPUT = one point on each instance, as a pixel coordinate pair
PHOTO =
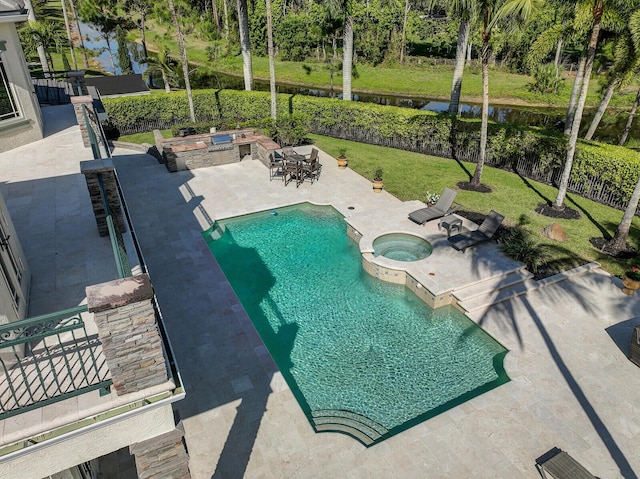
(520, 244)
(546, 78)
(530, 152)
(124, 60)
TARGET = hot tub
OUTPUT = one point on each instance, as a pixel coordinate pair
(402, 247)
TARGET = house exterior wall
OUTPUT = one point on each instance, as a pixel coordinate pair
(15, 276)
(27, 128)
(57, 456)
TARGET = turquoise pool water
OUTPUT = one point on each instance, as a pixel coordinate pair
(343, 340)
(402, 247)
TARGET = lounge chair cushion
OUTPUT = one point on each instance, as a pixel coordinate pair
(561, 465)
(441, 208)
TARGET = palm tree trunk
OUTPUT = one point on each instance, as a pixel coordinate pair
(165, 79)
(85, 58)
(347, 60)
(68, 28)
(602, 108)
(216, 14)
(558, 57)
(183, 59)
(272, 63)
(403, 42)
(226, 21)
(113, 63)
(575, 124)
(458, 70)
(477, 174)
(575, 91)
(245, 43)
(632, 114)
(619, 240)
(143, 19)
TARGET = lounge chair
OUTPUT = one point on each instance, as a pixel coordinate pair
(485, 232)
(635, 346)
(561, 465)
(443, 207)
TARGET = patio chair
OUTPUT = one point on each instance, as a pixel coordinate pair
(485, 232)
(275, 167)
(311, 170)
(288, 151)
(561, 465)
(443, 207)
(291, 170)
(312, 156)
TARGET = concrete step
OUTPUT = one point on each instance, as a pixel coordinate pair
(360, 427)
(489, 285)
(479, 304)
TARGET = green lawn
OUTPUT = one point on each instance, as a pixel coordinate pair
(146, 137)
(410, 176)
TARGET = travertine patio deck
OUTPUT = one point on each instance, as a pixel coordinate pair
(571, 387)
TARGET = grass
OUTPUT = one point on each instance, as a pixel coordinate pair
(409, 176)
(146, 137)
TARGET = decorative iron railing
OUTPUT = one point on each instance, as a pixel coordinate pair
(48, 358)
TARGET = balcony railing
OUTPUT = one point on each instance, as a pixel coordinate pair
(48, 358)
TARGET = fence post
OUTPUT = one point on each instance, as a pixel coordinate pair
(78, 102)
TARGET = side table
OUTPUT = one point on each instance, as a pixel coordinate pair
(450, 222)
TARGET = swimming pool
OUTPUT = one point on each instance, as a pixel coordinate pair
(361, 356)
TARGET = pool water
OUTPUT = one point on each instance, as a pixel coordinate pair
(402, 247)
(343, 340)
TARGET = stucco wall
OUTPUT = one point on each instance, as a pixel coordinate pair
(44, 461)
(28, 128)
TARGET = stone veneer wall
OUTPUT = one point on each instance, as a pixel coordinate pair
(91, 169)
(129, 334)
(78, 102)
(162, 457)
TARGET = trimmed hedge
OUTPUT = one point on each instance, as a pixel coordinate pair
(602, 172)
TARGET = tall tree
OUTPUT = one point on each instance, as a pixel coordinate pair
(74, 13)
(619, 240)
(124, 60)
(245, 44)
(272, 62)
(491, 12)
(342, 9)
(598, 8)
(69, 38)
(183, 59)
(465, 10)
(632, 114)
(624, 68)
(142, 8)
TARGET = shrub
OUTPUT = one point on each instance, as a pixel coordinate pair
(546, 78)
(519, 244)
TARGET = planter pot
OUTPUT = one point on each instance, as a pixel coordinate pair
(630, 285)
(377, 186)
(342, 162)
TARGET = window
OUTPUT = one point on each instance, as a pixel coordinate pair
(8, 105)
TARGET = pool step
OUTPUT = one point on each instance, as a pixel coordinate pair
(355, 425)
(485, 287)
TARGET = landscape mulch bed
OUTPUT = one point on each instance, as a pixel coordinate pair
(467, 186)
(566, 213)
(602, 245)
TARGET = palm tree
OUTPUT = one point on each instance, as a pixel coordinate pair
(597, 12)
(491, 12)
(342, 9)
(183, 58)
(245, 44)
(626, 64)
(68, 28)
(466, 11)
(272, 64)
(619, 240)
(632, 114)
(39, 45)
(164, 64)
(142, 7)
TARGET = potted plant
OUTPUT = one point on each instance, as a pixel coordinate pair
(342, 159)
(432, 198)
(631, 281)
(377, 180)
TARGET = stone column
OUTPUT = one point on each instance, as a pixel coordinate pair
(162, 457)
(104, 167)
(129, 334)
(78, 102)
